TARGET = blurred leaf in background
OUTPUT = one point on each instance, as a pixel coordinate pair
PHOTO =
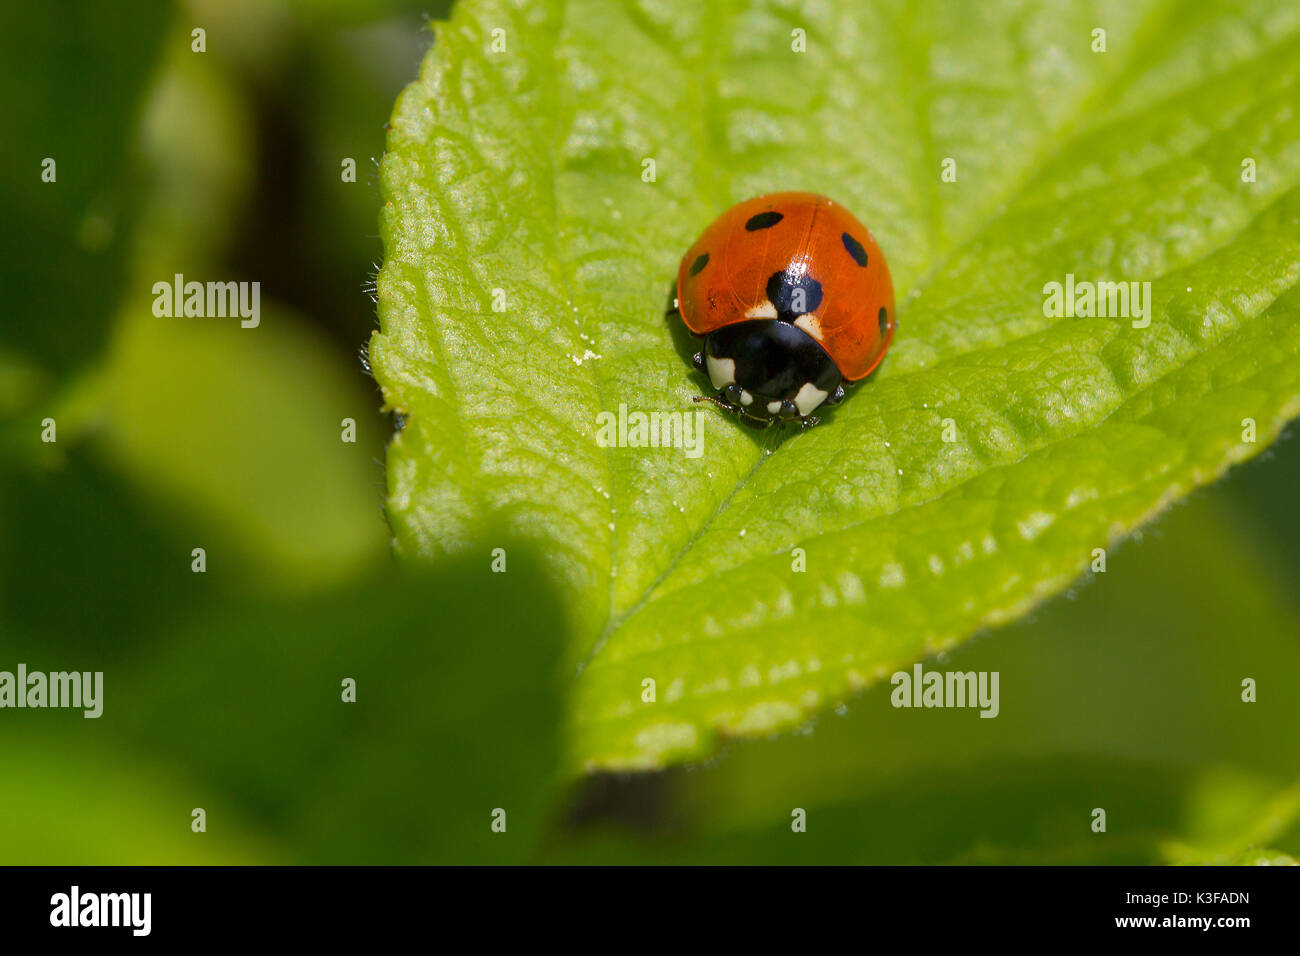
(235, 431)
(241, 711)
(72, 81)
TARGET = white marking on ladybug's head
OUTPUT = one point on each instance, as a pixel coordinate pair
(773, 407)
(810, 324)
(764, 310)
(809, 397)
(746, 398)
(722, 371)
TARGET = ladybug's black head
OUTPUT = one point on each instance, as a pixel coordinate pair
(770, 369)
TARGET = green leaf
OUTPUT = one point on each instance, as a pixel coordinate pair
(521, 171)
(236, 432)
(70, 82)
(449, 722)
(81, 806)
(1233, 821)
(239, 709)
(1265, 858)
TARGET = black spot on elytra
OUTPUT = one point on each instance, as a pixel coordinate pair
(883, 319)
(782, 289)
(855, 250)
(699, 264)
(764, 220)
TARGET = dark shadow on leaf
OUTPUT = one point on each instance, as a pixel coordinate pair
(1004, 810)
(456, 716)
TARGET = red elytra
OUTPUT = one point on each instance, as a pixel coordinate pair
(727, 274)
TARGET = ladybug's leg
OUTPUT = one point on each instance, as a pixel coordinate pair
(698, 361)
(808, 421)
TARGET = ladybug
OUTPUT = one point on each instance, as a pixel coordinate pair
(795, 300)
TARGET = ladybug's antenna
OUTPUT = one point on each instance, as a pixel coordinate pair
(716, 401)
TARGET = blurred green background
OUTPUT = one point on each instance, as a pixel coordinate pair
(223, 689)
